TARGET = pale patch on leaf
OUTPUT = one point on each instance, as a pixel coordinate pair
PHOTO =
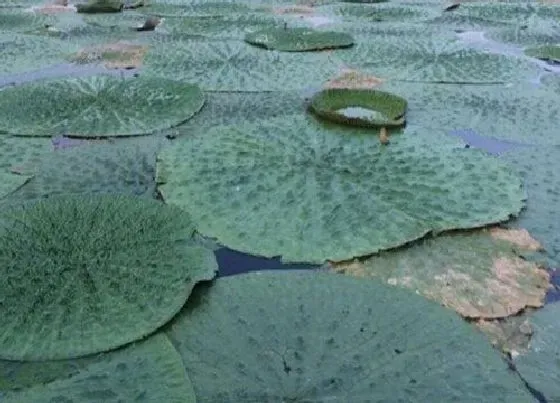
(475, 273)
(293, 10)
(353, 79)
(519, 237)
(118, 55)
(510, 335)
(58, 6)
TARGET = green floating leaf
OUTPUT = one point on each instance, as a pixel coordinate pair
(549, 53)
(16, 20)
(23, 53)
(299, 39)
(316, 337)
(18, 158)
(100, 6)
(234, 26)
(197, 9)
(98, 106)
(522, 112)
(10, 182)
(478, 274)
(433, 57)
(236, 66)
(150, 370)
(540, 365)
(359, 107)
(239, 107)
(540, 169)
(126, 166)
(105, 271)
(288, 186)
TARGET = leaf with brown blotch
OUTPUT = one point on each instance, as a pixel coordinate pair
(118, 55)
(477, 273)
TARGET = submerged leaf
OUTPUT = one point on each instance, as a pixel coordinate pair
(317, 337)
(477, 274)
(292, 187)
(98, 106)
(149, 370)
(104, 270)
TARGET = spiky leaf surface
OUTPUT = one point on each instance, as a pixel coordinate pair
(540, 366)
(312, 193)
(299, 39)
(475, 273)
(359, 107)
(98, 106)
(300, 336)
(236, 66)
(150, 370)
(82, 275)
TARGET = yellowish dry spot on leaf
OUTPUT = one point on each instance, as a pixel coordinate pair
(353, 79)
(293, 10)
(500, 286)
(519, 237)
(510, 335)
(119, 55)
(57, 6)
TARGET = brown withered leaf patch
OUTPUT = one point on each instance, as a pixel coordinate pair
(353, 79)
(293, 10)
(118, 55)
(476, 273)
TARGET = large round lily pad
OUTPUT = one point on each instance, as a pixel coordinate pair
(317, 337)
(150, 370)
(299, 39)
(359, 107)
(479, 274)
(540, 366)
(289, 186)
(80, 275)
(98, 106)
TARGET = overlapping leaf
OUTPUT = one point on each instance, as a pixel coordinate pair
(82, 275)
(300, 336)
(98, 106)
(312, 193)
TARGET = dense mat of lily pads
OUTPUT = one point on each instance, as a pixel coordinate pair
(207, 107)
